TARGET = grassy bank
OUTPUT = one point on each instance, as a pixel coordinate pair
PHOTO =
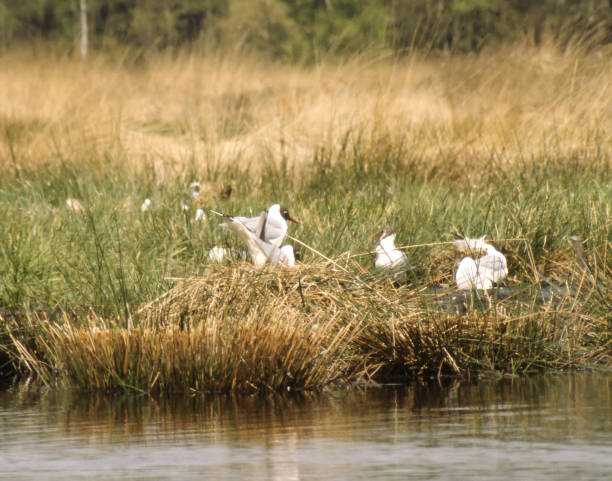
(243, 329)
(513, 144)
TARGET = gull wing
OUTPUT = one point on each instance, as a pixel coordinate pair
(265, 227)
(275, 230)
(276, 255)
(258, 255)
(469, 276)
(389, 259)
(493, 266)
(260, 227)
(466, 274)
(248, 222)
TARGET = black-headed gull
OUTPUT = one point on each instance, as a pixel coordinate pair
(273, 228)
(261, 251)
(482, 272)
(388, 257)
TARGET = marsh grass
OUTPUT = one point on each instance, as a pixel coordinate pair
(246, 329)
(180, 113)
(232, 327)
(432, 146)
(206, 334)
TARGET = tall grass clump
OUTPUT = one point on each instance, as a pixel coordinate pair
(233, 329)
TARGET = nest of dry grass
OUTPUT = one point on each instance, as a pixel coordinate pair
(247, 329)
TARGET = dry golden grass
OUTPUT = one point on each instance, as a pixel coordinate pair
(245, 329)
(192, 111)
(233, 330)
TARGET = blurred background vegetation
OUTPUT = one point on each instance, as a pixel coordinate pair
(304, 29)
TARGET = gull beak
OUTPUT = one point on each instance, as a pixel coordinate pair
(293, 220)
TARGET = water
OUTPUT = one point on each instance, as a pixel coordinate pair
(556, 427)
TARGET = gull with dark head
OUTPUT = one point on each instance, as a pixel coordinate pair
(387, 256)
(482, 272)
(264, 235)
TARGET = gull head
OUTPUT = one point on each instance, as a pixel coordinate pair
(470, 244)
(282, 211)
(385, 232)
(386, 244)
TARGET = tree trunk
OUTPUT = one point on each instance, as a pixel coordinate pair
(83, 29)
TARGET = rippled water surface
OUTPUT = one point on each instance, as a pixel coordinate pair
(555, 427)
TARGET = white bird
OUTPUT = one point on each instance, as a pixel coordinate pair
(388, 257)
(273, 229)
(146, 205)
(75, 205)
(483, 272)
(194, 189)
(200, 214)
(217, 254)
(260, 250)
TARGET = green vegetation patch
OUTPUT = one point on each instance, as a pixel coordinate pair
(74, 279)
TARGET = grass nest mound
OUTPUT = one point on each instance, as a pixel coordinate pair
(240, 328)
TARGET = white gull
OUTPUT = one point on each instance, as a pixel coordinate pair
(483, 272)
(387, 256)
(274, 227)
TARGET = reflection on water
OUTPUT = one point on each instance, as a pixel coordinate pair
(545, 427)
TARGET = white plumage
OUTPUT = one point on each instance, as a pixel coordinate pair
(387, 256)
(260, 250)
(146, 205)
(274, 227)
(217, 254)
(483, 272)
(200, 214)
